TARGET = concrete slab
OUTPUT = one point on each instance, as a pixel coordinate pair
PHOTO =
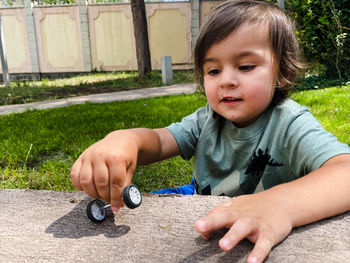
(101, 98)
(47, 226)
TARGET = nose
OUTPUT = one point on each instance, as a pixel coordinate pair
(228, 78)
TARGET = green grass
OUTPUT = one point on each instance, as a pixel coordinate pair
(29, 91)
(331, 106)
(39, 147)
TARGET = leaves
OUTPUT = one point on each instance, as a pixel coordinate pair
(321, 30)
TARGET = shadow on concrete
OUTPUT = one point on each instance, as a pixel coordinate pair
(211, 248)
(76, 224)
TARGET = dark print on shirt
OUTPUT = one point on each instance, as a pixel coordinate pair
(232, 186)
(228, 186)
(256, 169)
(205, 191)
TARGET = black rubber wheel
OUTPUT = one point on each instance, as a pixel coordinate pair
(95, 211)
(132, 196)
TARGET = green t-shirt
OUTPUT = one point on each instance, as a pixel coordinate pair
(285, 143)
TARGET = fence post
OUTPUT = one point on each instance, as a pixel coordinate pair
(281, 4)
(32, 43)
(195, 23)
(5, 71)
(167, 70)
(84, 28)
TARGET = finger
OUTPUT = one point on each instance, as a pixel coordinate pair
(243, 227)
(215, 221)
(101, 180)
(86, 179)
(117, 175)
(74, 174)
(261, 249)
(129, 173)
(220, 207)
(224, 205)
(202, 228)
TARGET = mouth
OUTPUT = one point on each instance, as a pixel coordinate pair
(231, 99)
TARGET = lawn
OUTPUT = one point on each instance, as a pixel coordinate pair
(39, 147)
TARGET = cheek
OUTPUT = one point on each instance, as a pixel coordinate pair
(209, 89)
(264, 92)
(263, 86)
(261, 95)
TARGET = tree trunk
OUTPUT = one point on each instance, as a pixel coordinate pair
(141, 36)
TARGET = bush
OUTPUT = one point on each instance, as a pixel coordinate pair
(323, 28)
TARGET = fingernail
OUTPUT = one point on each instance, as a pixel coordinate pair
(201, 225)
(115, 208)
(225, 244)
(253, 260)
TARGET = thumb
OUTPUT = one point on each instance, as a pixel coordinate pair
(120, 177)
(117, 178)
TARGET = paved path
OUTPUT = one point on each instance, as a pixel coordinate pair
(48, 226)
(104, 97)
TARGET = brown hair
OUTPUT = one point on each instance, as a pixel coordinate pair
(228, 16)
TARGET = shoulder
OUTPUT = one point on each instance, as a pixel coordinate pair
(291, 113)
(189, 129)
(291, 123)
(291, 108)
(197, 118)
(305, 140)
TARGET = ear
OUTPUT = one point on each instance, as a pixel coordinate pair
(281, 82)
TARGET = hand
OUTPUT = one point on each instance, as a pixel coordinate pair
(248, 216)
(106, 167)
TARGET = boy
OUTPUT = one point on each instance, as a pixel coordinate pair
(248, 138)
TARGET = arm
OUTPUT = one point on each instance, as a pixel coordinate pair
(320, 194)
(106, 167)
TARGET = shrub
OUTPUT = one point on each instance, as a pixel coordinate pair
(323, 28)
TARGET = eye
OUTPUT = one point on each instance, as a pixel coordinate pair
(214, 72)
(246, 67)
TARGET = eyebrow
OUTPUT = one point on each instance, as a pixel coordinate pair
(239, 56)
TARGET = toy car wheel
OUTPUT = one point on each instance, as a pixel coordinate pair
(96, 211)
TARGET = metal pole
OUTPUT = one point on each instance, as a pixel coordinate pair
(5, 71)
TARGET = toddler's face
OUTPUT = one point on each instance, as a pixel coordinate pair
(240, 75)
